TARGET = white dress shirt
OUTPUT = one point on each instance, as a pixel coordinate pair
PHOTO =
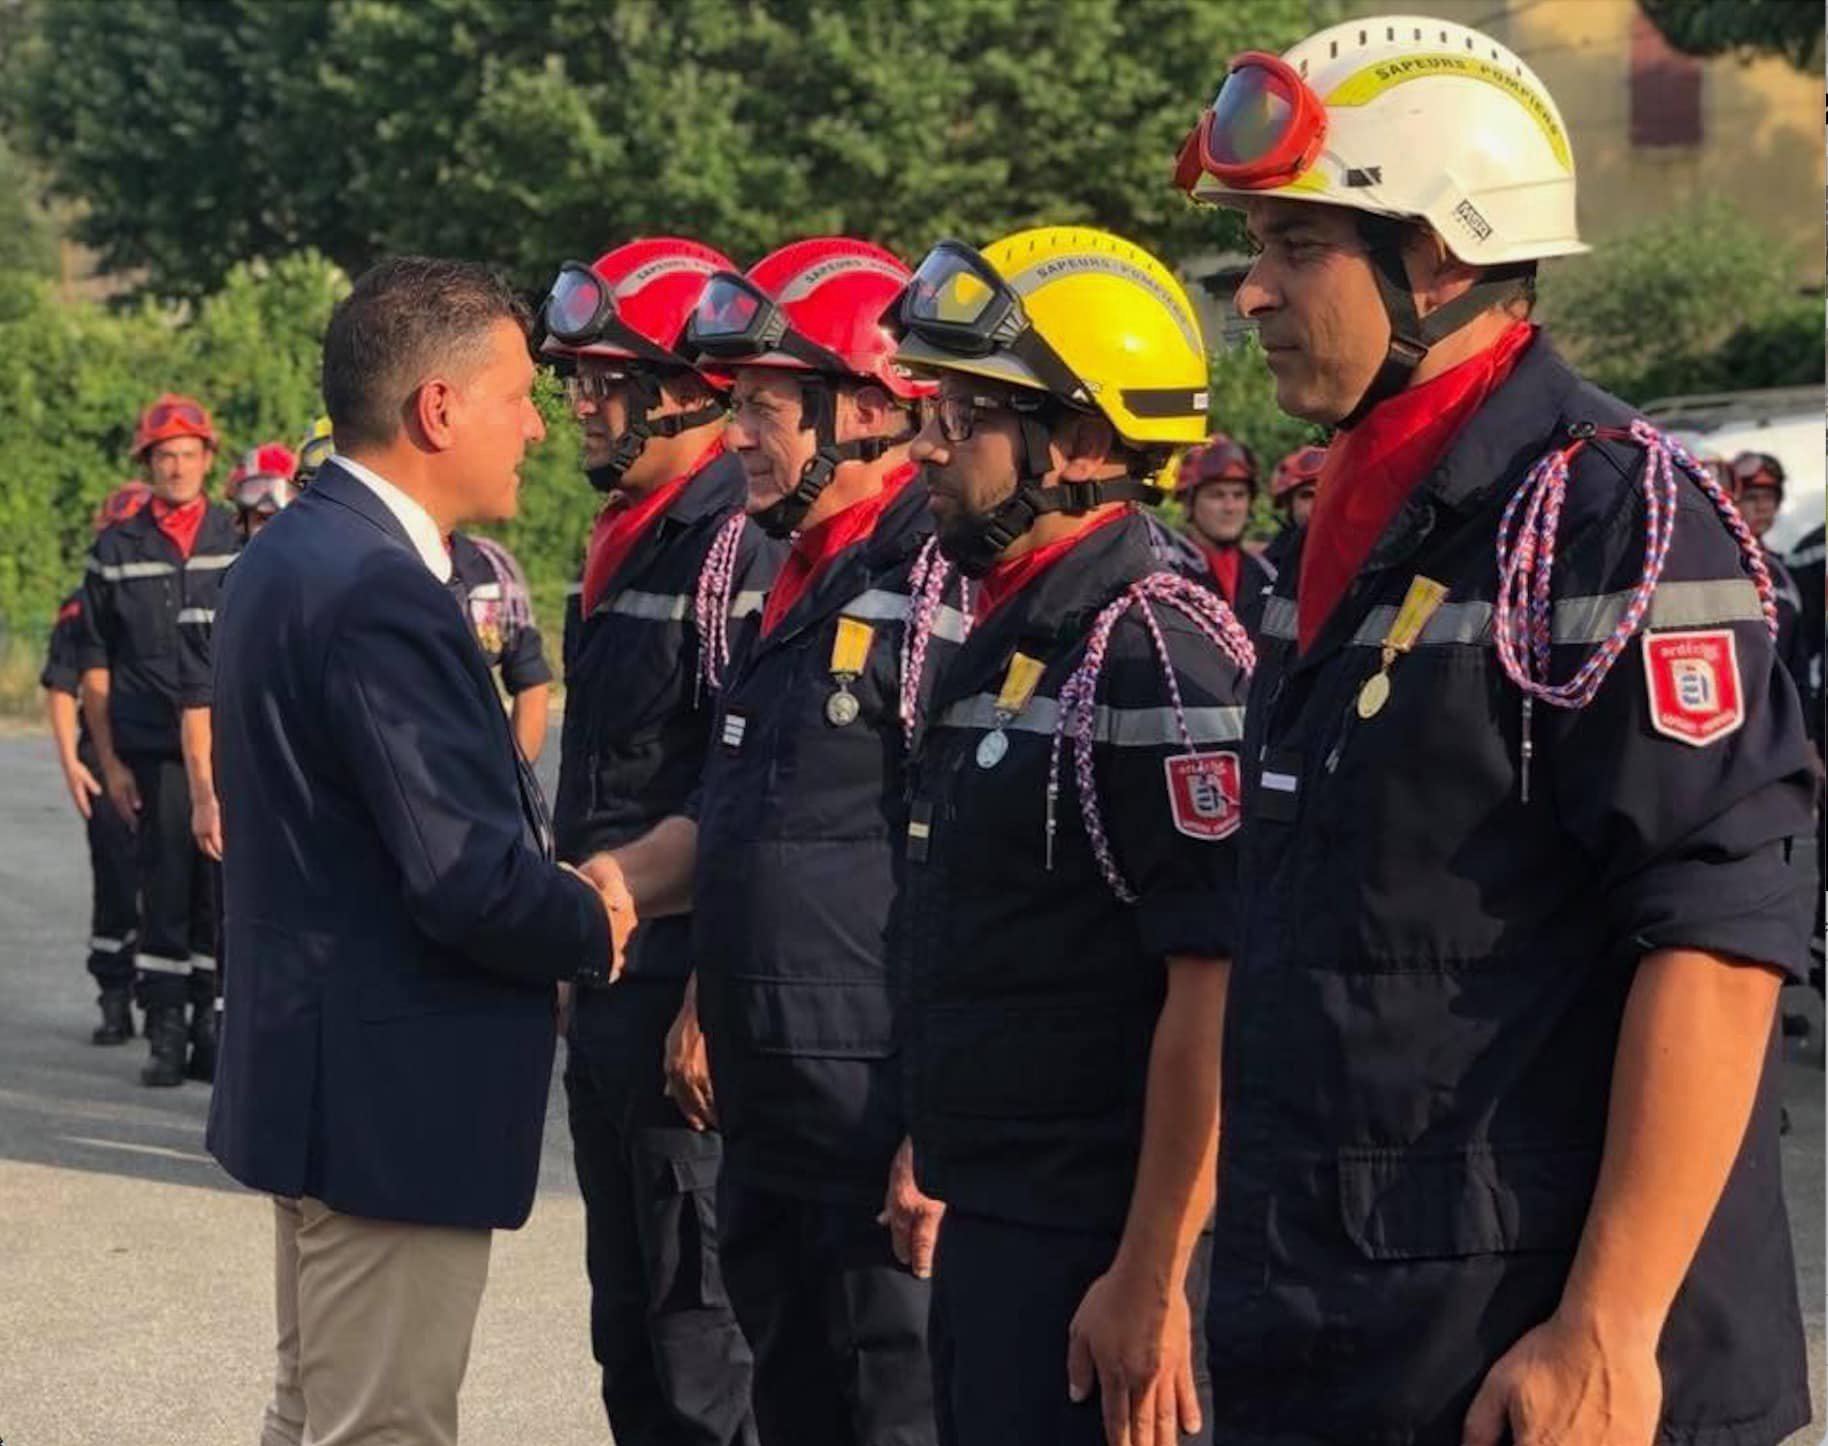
(426, 537)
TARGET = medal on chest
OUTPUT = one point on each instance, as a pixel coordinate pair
(1420, 603)
(1020, 680)
(850, 650)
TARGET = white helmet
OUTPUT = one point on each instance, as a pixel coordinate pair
(1402, 116)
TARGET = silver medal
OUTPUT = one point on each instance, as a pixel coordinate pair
(991, 748)
(842, 708)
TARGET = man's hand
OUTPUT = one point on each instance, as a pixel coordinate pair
(1569, 1383)
(605, 875)
(913, 1218)
(1138, 1342)
(83, 785)
(688, 1070)
(123, 792)
(206, 825)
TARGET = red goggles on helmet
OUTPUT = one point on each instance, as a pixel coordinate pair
(736, 321)
(1263, 129)
(1756, 469)
(580, 311)
(181, 414)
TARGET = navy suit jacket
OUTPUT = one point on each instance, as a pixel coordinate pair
(394, 924)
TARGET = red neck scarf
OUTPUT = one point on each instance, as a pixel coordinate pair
(1225, 563)
(622, 524)
(1372, 468)
(814, 549)
(1006, 579)
(180, 521)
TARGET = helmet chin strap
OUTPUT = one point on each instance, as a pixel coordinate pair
(643, 398)
(1412, 336)
(975, 543)
(819, 415)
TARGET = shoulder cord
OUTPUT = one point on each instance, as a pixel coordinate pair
(1077, 710)
(1523, 620)
(927, 582)
(712, 602)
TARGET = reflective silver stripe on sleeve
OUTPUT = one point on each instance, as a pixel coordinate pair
(1711, 603)
(102, 944)
(153, 964)
(1279, 782)
(747, 604)
(486, 592)
(210, 561)
(1121, 727)
(1808, 556)
(574, 589)
(655, 607)
(950, 624)
(1279, 619)
(123, 571)
(196, 615)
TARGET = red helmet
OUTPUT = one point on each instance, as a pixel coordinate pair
(631, 303)
(1757, 469)
(814, 305)
(1217, 459)
(121, 503)
(170, 417)
(262, 479)
(1301, 468)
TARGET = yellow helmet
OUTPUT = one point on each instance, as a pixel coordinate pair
(1079, 313)
(316, 449)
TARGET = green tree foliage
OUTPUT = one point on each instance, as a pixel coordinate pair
(1790, 28)
(1695, 301)
(28, 237)
(201, 135)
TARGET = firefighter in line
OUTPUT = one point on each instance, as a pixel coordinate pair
(1071, 845)
(152, 580)
(1217, 484)
(113, 901)
(1291, 489)
(1501, 1078)
(673, 571)
(797, 843)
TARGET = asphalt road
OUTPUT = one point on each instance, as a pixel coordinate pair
(135, 1278)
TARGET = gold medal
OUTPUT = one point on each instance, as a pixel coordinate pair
(1420, 603)
(1373, 696)
(850, 649)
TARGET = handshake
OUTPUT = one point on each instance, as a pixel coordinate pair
(603, 874)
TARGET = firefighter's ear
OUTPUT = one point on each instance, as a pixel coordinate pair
(1082, 448)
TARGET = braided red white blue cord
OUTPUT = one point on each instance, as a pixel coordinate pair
(712, 600)
(927, 582)
(1523, 621)
(1078, 702)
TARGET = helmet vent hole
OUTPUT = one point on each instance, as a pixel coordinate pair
(1361, 37)
(1418, 32)
(1390, 32)
(1332, 50)
(1304, 67)
(1469, 42)
(1443, 37)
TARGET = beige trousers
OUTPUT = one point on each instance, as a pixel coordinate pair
(375, 1319)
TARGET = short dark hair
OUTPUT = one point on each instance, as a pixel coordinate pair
(406, 318)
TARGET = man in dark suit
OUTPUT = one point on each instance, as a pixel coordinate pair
(397, 922)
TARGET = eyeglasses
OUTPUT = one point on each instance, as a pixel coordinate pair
(1263, 129)
(593, 386)
(957, 412)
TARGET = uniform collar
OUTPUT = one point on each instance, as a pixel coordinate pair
(717, 485)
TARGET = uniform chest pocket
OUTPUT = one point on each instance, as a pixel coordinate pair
(1415, 819)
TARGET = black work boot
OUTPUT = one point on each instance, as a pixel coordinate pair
(116, 1027)
(204, 1022)
(165, 1033)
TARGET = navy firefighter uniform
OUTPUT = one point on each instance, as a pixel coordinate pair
(1445, 896)
(113, 910)
(149, 605)
(1035, 987)
(800, 824)
(637, 724)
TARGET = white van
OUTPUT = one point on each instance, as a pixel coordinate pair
(1788, 422)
